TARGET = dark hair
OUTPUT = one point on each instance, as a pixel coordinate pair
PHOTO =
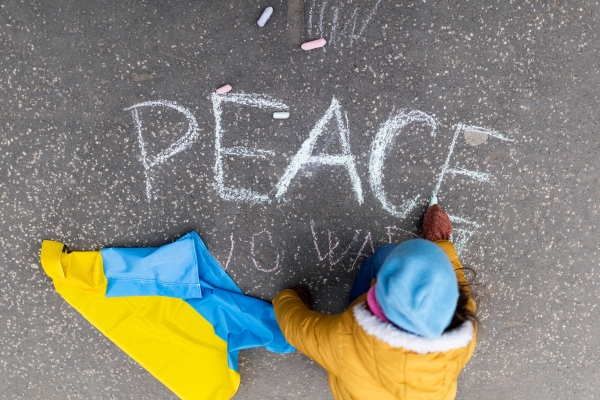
(462, 312)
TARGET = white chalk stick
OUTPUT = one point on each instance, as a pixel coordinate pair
(315, 44)
(281, 115)
(265, 16)
(433, 201)
(223, 89)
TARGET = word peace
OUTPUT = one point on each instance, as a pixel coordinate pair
(382, 143)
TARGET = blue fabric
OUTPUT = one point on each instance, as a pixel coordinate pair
(417, 288)
(185, 269)
(170, 271)
(368, 271)
(242, 321)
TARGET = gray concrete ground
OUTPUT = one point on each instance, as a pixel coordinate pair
(490, 104)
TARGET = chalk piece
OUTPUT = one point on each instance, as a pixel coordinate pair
(265, 16)
(223, 89)
(281, 115)
(315, 44)
(433, 201)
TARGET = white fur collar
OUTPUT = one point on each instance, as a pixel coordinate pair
(388, 333)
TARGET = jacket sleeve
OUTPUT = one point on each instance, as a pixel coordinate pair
(315, 334)
(450, 251)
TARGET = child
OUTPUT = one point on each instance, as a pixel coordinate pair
(406, 334)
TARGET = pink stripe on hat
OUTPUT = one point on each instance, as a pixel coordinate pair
(374, 305)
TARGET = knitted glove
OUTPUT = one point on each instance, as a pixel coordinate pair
(304, 295)
(436, 224)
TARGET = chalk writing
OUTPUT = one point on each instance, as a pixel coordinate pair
(248, 100)
(367, 20)
(390, 228)
(456, 219)
(360, 252)
(480, 176)
(312, 228)
(181, 144)
(384, 138)
(460, 237)
(329, 254)
(304, 156)
(353, 19)
(321, 19)
(310, 15)
(230, 251)
(331, 261)
(256, 264)
(333, 26)
(337, 35)
(331, 248)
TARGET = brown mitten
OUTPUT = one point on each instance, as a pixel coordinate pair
(304, 295)
(436, 224)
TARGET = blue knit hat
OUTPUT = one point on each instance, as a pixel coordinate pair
(417, 288)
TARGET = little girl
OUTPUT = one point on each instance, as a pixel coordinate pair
(410, 327)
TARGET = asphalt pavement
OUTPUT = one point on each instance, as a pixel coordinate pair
(111, 134)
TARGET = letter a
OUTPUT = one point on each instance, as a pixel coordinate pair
(305, 157)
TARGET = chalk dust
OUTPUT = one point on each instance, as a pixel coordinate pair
(474, 138)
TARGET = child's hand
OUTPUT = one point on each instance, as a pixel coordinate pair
(436, 224)
(304, 295)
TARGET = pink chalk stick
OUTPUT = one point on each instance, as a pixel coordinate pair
(315, 44)
(223, 89)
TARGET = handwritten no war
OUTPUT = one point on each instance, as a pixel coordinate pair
(380, 146)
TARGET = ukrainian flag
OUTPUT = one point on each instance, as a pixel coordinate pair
(172, 308)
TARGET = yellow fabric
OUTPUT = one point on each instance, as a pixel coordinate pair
(165, 335)
(67, 269)
(361, 366)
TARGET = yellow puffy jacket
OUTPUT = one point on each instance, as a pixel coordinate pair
(369, 359)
